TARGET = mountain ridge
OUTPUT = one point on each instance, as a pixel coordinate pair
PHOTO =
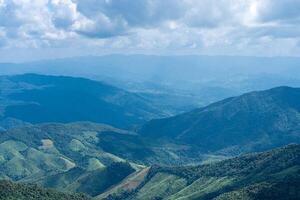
(243, 177)
(43, 98)
(272, 115)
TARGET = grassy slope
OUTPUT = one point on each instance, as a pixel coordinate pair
(67, 157)
(92, 183)
(128, 184)
(272, 174)
(77, 156)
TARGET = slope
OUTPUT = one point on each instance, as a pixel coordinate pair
(82, 156)
(268, 175)
(251, 122)
(38, 98)
(67, 157)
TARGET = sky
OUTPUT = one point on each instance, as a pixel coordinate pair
(43, 29)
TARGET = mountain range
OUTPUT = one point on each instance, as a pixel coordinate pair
(269, 175)
(38, 98)
(179, 83)
(84, 136)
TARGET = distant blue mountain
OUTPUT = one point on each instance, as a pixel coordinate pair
(39, 98)
(192, 80)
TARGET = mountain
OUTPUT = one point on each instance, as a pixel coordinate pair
(38, 98)
(251, 122)
(67, 157)
(178, 83)
(17, 191)
(101, 161)
(106, 162)
(269, 175)
(143, 68)
(82, 157)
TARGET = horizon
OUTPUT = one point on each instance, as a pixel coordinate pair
(145, 55)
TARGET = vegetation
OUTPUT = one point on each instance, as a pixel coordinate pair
(38, 98)
(286, 189)
(80, 157)
(109, 163)
(255, 121)
(98, 182)
(17, 191)
(67, 157)
(269, 175)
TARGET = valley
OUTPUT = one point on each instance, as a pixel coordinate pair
(149, 100)
(63, 140)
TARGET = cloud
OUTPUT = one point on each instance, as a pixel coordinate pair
(108, 18)
(145, 13)
(100, 26)
(2, 36)
(196, 26)
(64, 13)
(286, 11)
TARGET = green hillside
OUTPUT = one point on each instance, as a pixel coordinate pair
(17, 191)
(172, 158)
(92, 183)
(252, 122)
(270, 175)
(82, 156)
(67, 157)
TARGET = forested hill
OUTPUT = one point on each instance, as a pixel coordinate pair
(269, 175)
(18, 191)
(39, 98)
(250, 122)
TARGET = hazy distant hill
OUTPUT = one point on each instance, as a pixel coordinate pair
(38, 98)
(181, 83)
(270, 175)
(253, 121)
(153, 67)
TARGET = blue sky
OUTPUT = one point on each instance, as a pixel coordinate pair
(38, 29)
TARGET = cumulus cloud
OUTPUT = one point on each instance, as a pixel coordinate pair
(64, 13)
(196, 26)
(100, 26)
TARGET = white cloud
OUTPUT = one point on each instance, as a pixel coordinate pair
(64, 13)
(100, 26)
(197, 26)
